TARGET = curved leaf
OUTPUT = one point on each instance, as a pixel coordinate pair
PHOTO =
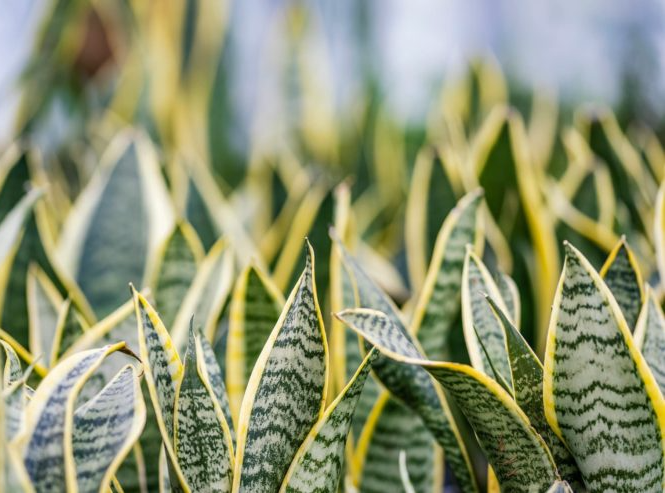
(650, 337)
(12, 371)
(622, 275)
(600, 397)
(43, 304)
(286, 392)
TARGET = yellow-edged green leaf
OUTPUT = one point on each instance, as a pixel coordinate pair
(70, 326)
(43, 304)
(255, 308)
(318, 464)
(14, 397)
(600, 397)
(439, 301)
(659, 232)
(202, 439)
(622, 275)
(99, 245)
(286, 392)
(650, 337)
(391, 429)
(104, 430)
(527, 373)
(510, 296)
(49, 415)
(14, 177)
(12, 224)
(411, 384)
(480, 322)
(519, 457)
(181, 254)
(12, 368)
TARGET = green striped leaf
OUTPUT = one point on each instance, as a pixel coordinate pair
(622, 275)
(104, 430)
(650, 337)
(163, 371)
(213, 374)
(391, 429)
(179, 259)
(202, 438)
(480, 322)
(286, 392)
(412, 384)
(14, 398)
(255, 308)
(439, 301)
(510, 296)
(12, 369)
(318, 464)
(49, 414)
(527, 373)
(519, 457)
(117, 223)
(43, 304)
(600, 397)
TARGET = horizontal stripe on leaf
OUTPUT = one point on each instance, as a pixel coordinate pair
(519, 457)
(202, 439)
(104, 430)
(622, 275)
(317, 466)
(286, 392)
(600, 397)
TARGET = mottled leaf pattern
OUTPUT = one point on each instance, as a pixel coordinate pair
(439, 301)
(412, 384)
(255, 308)
(317, 466)
(519, 457)
(12, 370)
(510, 296)
(650, 337)
(622, 275)
(104, 430)
(202, 439)
(599, 396)
(286, 391)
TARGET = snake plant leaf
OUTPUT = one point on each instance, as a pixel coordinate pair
(561, 487)
(163, 371)
(43, 305)
(480, 322)
(211, 371)
(12, 371)
(12, 225)
(407, 484)
(622, 275)
(527, 373)
(207, 295)
(650, 337)
(255, 307)
(14, 398)
(510, 296)
(180, 256)
(286, 392)
(14, 176)
(439, 300)
(69, 327)
(393, 428)
(202, 439)
(317, 466)
(411, 383)
(48, 417)
(518, 455)
(600, 397)
(99, 246)
(659, 232)
(104, 430)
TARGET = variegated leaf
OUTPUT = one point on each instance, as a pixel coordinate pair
(599, 395)
(527, 373)
(69, 327)
(561, 487)
(510, 296)
(104, 430)
(411, 384)
(650, 337)
(12, 369)
(202, 439)
(179, 259)
(163, 371)
(255, 308)
(12, 225)
(286, 392)
(15, 399)
(47, 416)
(99, 246)
(480, 322)
(393, 428)
(439, 301)
(519, 457)
(317, 466)
(622, 275)
(44, 302)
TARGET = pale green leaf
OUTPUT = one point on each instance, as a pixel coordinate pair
(561, 487)
(600, 397)
(12, 369)
(43, 304)
(622, 275)
(650, 337)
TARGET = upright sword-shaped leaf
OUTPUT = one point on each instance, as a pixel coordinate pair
(286, 392)
(650, 337)
(600, 397)
(622, 275)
